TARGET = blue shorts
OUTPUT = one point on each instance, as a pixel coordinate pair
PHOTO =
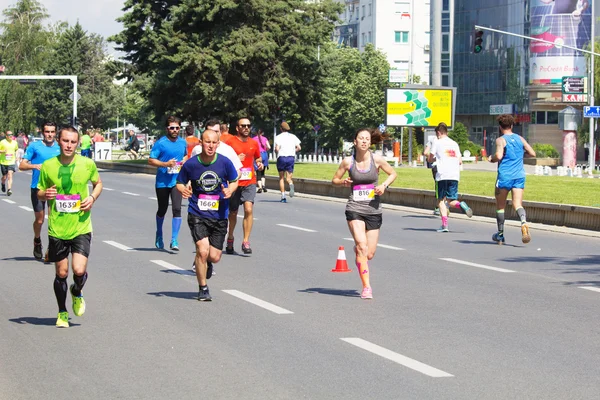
(286, 164)
(509, 184)
(447, 189)
(86, 153)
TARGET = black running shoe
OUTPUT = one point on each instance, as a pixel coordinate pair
(37, 249)
(3, 187)
(209, 269)
(229, 247)
(204, 294)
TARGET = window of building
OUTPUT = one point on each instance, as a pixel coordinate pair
(446, 5)
(402, 7)
(363, 11)
(370, 38)
(552, 118)
(370, 9)
(445, 80)
(544, 117)
(363, 39)
(401, 37)
(445, 43)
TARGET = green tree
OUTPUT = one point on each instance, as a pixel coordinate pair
(460, 135)
(78, 53)
(229, 58)
(23, 50)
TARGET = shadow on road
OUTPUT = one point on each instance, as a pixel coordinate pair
(179, 272)
(420, 216)
(177, 295)
(39, 321)
(20, 259)
(155, 249)
(332, 292)
(485, 242)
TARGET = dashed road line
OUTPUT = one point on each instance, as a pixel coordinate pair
(296, 227)
(118, 245)
(26, 208)
(130, 194)
(383, 246)
(9, 201)
(109, 189)
(258, 302)
(152, 198)
(470, 264)
(397, 358)
(174, 268)
(593, 289)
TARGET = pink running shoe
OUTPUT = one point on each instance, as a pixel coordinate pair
(367, 293)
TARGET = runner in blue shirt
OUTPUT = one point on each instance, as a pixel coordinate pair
(213, 180)
(510, 149)
(168, 154)
(36, 154)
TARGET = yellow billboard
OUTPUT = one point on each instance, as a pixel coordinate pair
(420, 107)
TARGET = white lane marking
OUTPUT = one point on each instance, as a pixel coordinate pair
(118, 245)
(593, 289)
(242, 217)
(384, 246)
(397, 358)
(9, 201)
(109, 189)
(131, 194)
(452, 260)
(152, 198)
(258, 302)
(174, 268)
(26, 208)
(296, 227)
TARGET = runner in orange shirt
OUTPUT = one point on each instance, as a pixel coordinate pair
(248, 151)
(190, 139)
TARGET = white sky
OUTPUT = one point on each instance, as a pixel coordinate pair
(97, 16)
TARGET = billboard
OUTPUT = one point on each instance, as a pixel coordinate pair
(562, 22)
(420, 106)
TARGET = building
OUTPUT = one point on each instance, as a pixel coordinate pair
(399, 28)
(510, 74)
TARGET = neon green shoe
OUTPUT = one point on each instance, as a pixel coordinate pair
(63, 320)
(78, 303)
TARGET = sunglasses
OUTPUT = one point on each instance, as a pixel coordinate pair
(174, 128)
(244, 126)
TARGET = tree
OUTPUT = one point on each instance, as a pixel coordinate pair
(23, 50)
(229, 58)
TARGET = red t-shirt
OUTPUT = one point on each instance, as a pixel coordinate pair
(250, 149)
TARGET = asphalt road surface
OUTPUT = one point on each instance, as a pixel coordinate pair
(454, 316)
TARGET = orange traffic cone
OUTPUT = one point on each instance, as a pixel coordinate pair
(341, 265)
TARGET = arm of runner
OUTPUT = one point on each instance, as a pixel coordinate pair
(157, 163)
(186, 191)
(380, 162)
(88, 202)
(258, 160)
(499, 151)
(339, 174)
(529, 151)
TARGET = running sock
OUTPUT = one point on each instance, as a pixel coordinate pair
(176, 226)
(263, 181)
(444, 220)
(457, 205)
(37, 240)
(283, 195)
(500, 220)
(159, 225)
(79, 283)
(363, 270)
(522, 215)
(60, 291)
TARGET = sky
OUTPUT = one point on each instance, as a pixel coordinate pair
(95, 16)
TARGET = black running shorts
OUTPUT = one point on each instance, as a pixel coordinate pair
(372, 221)
(59, 249)
(213, 229)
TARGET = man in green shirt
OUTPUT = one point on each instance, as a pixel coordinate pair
(64, 184)
(86, 145)
(8, 155)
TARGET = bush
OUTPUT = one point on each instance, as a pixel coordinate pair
(545, 150)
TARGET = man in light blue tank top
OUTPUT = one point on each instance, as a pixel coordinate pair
(510, 149)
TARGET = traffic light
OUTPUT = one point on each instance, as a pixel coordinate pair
(477, 41)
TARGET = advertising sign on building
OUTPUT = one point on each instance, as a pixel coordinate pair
(499, 109)
(562, 22)
(398, 76)
(415, 106)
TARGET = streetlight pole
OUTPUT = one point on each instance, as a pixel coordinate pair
(592, 121)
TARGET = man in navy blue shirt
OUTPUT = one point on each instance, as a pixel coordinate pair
(168, 154)
(36, 154)
(213, 180)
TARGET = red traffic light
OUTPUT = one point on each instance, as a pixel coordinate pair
(478, 41)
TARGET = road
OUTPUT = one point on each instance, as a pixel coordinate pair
(454, 316)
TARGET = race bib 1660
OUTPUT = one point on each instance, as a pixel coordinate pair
(207, 202)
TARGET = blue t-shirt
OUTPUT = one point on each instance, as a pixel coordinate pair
(511, 165)
(37, 153)
(165, 150)
(206, 185)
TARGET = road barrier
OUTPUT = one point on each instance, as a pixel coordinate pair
(567, 215)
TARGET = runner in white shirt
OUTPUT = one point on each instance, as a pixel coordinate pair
(286, 146)
(433, 167)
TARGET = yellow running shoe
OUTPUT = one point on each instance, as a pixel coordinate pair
(78, 303)
(62, 321)
(525, 236)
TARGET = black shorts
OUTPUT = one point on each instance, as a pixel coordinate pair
(6, 168)
(37, 204)
(372, 221)
(214, 229)
(59, 249)
(242, 195)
